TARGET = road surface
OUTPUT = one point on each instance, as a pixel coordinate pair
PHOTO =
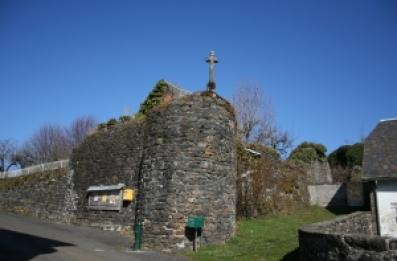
(26, 238)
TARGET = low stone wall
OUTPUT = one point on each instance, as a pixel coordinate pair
(327, 195)
(44, 194)
(349, 237)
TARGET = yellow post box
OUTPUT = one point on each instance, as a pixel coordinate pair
(128, 194)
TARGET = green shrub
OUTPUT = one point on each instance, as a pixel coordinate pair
(266, 184)
(111, 122)
(355, 154)
(307, 152)
(344, 159)
(347, 156)
(102, 126)
(338, 156)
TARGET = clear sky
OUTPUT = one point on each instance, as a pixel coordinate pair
(329, 67)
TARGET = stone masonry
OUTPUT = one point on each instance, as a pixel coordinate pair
(349, 237)
(181, 160)
(42, 194)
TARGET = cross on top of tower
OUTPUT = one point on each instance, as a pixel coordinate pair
(212, 60)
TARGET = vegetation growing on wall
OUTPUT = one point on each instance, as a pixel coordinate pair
(347, 155)
(113, 122)
(266, 183)
(308, 152)
(344, 159)
(154, 98)
(28, 180)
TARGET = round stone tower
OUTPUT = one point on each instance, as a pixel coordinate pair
(188, 169)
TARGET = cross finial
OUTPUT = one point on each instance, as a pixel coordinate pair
(212, 60)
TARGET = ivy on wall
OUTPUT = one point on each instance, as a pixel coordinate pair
(154, 98)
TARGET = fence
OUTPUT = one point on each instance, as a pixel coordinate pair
(36, 168)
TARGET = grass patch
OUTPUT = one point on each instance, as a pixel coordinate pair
(267, 238)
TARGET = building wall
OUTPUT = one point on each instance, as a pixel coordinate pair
(386, 202)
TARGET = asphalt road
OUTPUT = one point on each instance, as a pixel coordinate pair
(25, 238)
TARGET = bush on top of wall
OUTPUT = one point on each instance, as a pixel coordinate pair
(308, 152)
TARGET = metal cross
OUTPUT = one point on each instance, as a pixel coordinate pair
(212, 60)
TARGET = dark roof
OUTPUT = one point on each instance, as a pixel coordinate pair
(380, 152)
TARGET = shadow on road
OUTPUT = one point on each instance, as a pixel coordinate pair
(23, 247)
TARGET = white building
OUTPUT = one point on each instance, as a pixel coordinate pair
(380, 167)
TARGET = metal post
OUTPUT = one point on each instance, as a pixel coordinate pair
(138, 236)
(195, 240)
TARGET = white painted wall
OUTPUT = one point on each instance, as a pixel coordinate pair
(386, 199)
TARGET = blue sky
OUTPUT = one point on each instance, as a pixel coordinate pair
(328, 67)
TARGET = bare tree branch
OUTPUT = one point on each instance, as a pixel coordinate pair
(256, 119)
(49, 143)
(7, 152)
(80, 128)
(53, 142)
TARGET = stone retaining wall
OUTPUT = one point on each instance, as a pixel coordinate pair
(350, 237)
(180, 160)
(108, 157)
(42, 194)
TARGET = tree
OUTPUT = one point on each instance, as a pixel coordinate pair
(53, 142)
(80, 128)
(255, 119)
(48, 143)
(7, 154)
